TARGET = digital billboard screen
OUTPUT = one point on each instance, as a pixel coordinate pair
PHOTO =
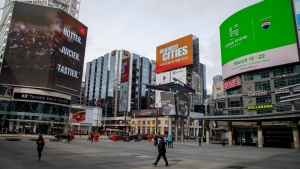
(125, 70)
(168, 103)
(77, 115)
(177, 53)
(257, 37)
(183, 104)
(45, 49)
(145, 113)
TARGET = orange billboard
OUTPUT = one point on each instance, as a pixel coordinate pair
(177, 53)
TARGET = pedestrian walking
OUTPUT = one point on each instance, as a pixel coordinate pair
(199, 139)
(166, 140)
(92, 137)
(40, 146)
(169, 140)
(89, 137)
(155, 140)
(68, 138)
(223, 141)
(173, 139)
(161, 152)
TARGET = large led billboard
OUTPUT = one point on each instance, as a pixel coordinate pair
(177, 53)
(45, 49)
(125, 69)
(259, 36)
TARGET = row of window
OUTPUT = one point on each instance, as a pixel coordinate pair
(276, 72)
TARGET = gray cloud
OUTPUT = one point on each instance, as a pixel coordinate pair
(140, 26)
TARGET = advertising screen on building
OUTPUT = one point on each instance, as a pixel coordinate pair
(297, 15)
(161, 78)
(258, 37)
(179, 74)
(183, 104)
(168, 103)
(145, 113)
(231, 83)
(45, 49)
(177, 53)
(77, 115)
(125, 70)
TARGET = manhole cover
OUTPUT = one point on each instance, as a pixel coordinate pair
(175, 160)
(236, 167)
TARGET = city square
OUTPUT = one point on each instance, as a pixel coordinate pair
(103, 154)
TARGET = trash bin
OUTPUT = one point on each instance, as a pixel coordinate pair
(149, 138)
(114, 138)
(96, 138)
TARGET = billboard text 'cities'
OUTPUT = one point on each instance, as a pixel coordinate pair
(177, 53)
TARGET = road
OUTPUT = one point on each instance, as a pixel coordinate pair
(124, 155)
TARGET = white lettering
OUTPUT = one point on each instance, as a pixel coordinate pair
(69, 52)
(72, 35)
(67, 71)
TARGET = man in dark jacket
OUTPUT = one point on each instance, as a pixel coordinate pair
(161, 152)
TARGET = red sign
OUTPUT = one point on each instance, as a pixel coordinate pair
(126, 53)
(231, 83)
(113, 53)
(125, 70)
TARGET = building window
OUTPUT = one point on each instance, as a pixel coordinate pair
(166, 122)
(235, 102)
(221, 105)
(256, 75)
(264, 85)
(263, 99)
(277, 96)
(148, 122)
(158, 122)
(264, 111)
(144, 122)
(234, 91)
(283, 108)
(235, 112)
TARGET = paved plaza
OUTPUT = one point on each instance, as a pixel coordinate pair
(111, 155)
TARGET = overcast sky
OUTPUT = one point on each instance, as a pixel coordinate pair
(139, 26)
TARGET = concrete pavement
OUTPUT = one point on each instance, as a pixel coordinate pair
(107, 154)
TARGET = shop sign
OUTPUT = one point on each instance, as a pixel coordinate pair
(259, 107)
(287, 75)
(295, 89)
(231, 83)
(258, 93)
(234, 108)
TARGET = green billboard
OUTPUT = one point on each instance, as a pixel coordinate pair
(259, 36)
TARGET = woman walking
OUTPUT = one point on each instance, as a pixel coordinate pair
(40, 146)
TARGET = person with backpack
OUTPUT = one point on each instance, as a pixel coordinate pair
(169, 140)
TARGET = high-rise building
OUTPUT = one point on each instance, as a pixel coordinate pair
(202, 73)
(217, 78)
(118, 80)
